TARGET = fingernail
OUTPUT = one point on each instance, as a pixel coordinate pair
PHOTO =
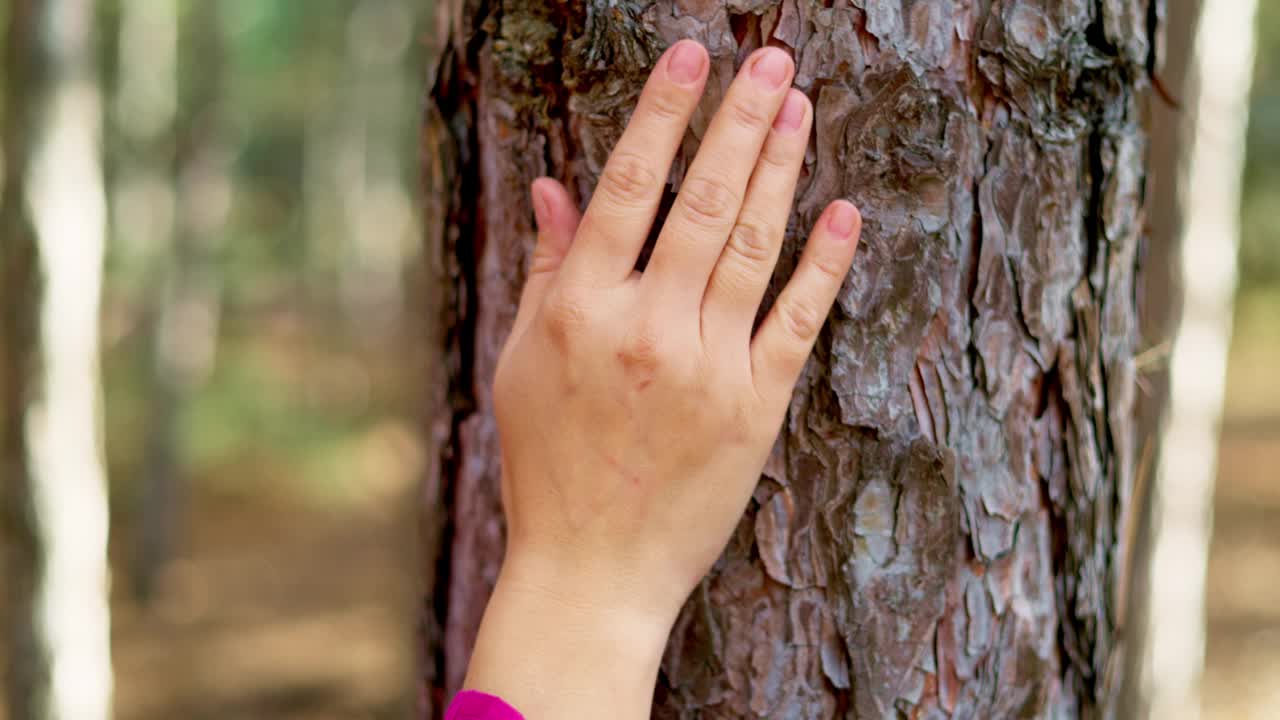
(792, 113)
(842, 219)
(541, 209)
(771, 68)
(687, 62)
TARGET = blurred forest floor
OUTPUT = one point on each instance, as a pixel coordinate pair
(293, 592)
(1242, 666)
(274, 611)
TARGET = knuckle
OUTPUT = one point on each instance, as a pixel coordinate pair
(596, 224)
(753, 241)
(665, 106)
(749, 114)
(564, 317)
(603, 226)
(779, 156)
(800, 319)
(644, 354)
(640, 351)
(628, 178)
(543, 259)
(831, 267)
(708, 201)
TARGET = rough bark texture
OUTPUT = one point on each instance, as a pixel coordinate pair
(26, 682)
(939, 532)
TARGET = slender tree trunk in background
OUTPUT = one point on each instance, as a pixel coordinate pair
(187, 298)
(26, 682)
(1160, 306)
(375, 212)
(1221, 73)
(62, 489)
(941, 529)
(143, 210)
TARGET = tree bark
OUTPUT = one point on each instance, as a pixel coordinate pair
(941, 529)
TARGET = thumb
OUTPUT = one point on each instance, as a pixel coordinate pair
(557, 218)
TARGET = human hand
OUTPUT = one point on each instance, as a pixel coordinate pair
(636, 409)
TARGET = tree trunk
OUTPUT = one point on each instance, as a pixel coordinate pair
(143, 210)
(1160, 307)
(1182, 505)
(55, 507)
(26, 682)
(941, 530)
(190, 152)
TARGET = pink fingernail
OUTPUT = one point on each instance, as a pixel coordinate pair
(842, 219)
(771, 68)
(541, 209)
(791, 115)
(687, 63)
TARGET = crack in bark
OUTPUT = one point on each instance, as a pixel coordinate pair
(452, 144)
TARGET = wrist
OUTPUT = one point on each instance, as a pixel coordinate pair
(556, 643)
(643, 593)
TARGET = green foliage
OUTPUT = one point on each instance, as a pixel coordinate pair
(1260, 242)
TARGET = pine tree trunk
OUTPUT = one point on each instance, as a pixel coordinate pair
(941, 531)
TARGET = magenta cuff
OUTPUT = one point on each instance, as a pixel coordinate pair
(472, 705)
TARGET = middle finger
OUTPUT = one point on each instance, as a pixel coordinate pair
(709, 199)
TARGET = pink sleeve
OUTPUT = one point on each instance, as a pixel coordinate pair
(472, 705)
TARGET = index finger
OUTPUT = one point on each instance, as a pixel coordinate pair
(622, 210)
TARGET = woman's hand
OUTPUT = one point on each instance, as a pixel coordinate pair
(636, 410)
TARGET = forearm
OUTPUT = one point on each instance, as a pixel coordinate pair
(554, 651)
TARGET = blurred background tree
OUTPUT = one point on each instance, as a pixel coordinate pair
(55, 513)
(1260, 236)
(260, 413)
(260, 374)
(1242, 652)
